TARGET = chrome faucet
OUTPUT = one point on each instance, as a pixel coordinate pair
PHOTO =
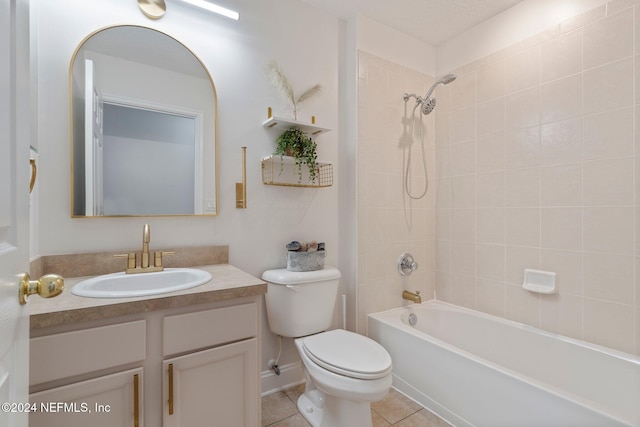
(410, 296)
(145, 256)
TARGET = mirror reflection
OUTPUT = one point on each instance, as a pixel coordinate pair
(143, 127)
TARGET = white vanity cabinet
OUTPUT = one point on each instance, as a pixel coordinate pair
(170, 367)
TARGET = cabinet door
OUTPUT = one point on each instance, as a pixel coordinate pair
(216, 387)
(109, 401)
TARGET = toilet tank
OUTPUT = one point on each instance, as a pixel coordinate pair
(300, 303)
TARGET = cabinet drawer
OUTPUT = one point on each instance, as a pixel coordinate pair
(107, 401)
(191, 331)
(58, 356)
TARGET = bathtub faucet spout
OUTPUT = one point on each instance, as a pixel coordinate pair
(410, 296)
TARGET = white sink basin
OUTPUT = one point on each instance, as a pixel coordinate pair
(122, 285)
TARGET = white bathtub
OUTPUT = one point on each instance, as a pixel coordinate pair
(473, 369)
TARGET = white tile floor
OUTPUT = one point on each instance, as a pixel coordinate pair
(279, 410)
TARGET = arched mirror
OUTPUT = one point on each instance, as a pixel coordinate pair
(143, 127)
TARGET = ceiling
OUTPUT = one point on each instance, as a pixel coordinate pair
(432, 21)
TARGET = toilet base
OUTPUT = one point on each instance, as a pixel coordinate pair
(309, 408)
(322, 410)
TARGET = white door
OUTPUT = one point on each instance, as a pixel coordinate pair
(93, 140)
(14, 208)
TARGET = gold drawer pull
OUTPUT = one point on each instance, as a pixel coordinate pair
(136, 401)
(170, 388)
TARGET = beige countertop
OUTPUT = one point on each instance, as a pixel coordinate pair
(228, 282)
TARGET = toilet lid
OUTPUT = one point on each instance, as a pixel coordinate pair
(347, 353)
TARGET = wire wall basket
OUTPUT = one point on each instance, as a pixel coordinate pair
(282, 170)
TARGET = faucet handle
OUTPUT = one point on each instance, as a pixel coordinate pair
(157, 257)
(131, 259)
(406, 264)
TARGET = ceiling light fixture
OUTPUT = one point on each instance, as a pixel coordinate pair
(153, 9)
(214, 8)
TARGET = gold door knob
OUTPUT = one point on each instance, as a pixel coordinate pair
(49, 285)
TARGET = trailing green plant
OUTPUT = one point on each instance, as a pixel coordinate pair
(296, 143)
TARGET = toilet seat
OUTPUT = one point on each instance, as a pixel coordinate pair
(349, 354)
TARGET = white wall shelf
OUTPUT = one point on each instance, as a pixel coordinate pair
(284, 124)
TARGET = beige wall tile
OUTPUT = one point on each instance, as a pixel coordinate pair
(523, 148)
(491, 116)
(523, 227)
(609, 324)
(608, 39)
(637, 30)
(462, 125)
(463, 157)
(522, 306)
(463, 92)
(443, 193)
(615, 6)
(561, 56)
(561, 185)
(463, 191)
(608, 134)
(491, 225)
(523, 69)
(523, 109)
(636, 79)
(490, 81)
(463, 290)
(491, 296)
(562, 314)
(523, 187)
(517, 259)
(568, 268)
(637, 332)
(491, 153)
(561, 99)
(609, 277)
(463, 225)
(578, 21)
(561, 142)
(490, 261)
(607, 87)
(562, 228)
(609, 229)
(491, 190)
(463, 257)
(443, 256)
(608, 182)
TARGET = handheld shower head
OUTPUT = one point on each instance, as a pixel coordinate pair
(428, 103)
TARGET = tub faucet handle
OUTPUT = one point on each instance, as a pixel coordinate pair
(406, 264)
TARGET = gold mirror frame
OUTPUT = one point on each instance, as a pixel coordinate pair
(71, 126)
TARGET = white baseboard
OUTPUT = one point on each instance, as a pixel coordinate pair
(291, 375)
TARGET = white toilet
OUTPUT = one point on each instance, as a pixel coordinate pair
(345, 371)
